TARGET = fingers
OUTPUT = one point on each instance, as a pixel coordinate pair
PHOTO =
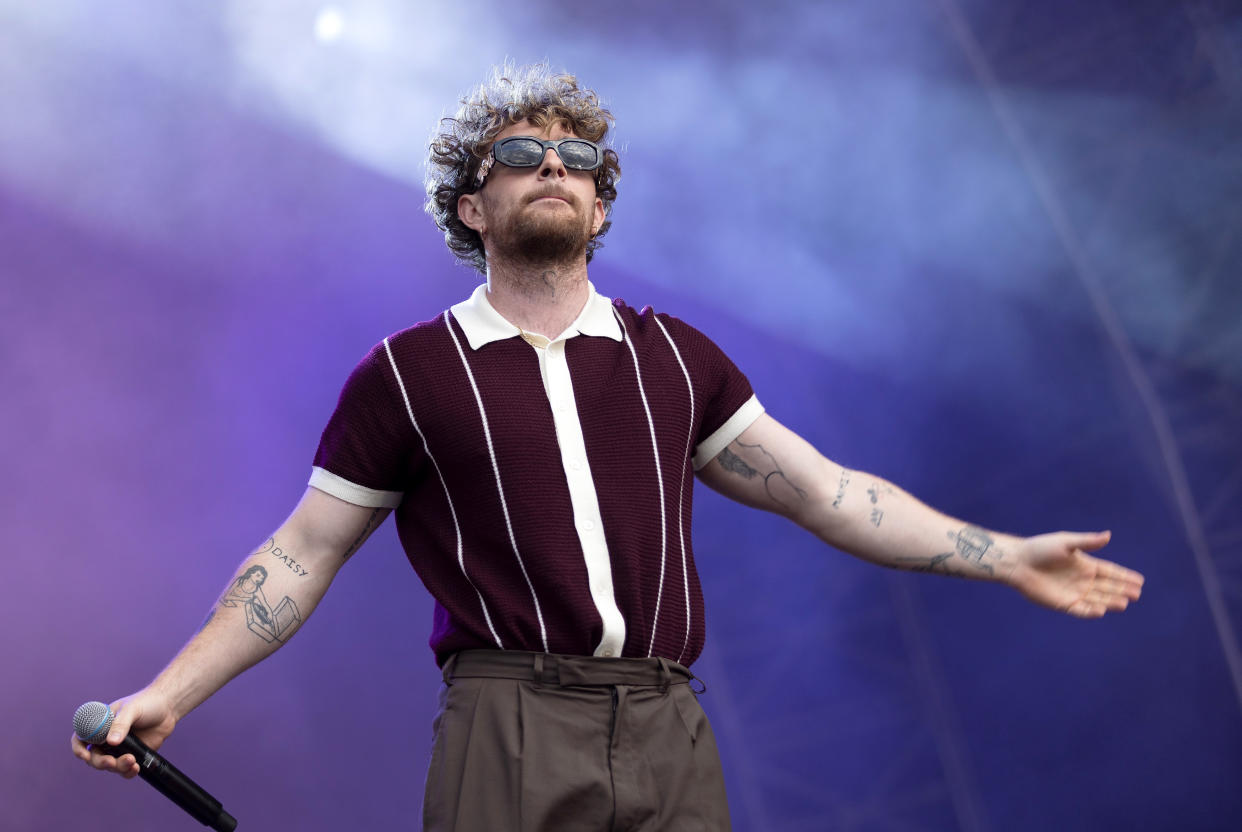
(125, 765)
(1129, 581)
(124, 715)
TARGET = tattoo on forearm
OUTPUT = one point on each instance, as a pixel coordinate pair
(876, 490)
(844, 481)
(362, 535)
(971, 544)
(734, 464)
(936, 564)
(974, 544)
(270, 548)
(776, 483)
(268, 623)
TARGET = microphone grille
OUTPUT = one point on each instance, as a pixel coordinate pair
(91, 722)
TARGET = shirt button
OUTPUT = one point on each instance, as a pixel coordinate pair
(576, 465)
(588, 525)
(608, 654)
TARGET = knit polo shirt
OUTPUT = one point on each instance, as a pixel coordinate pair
(543, 489)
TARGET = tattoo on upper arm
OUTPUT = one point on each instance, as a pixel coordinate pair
(268, 623)
(734, 464)
(362, 535)
(776, 483)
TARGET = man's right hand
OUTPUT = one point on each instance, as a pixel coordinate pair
(148, 714)
(320, 536)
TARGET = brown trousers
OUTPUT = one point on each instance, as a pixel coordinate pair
(534, 742)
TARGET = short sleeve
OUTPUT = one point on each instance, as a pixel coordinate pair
(364, 453)
(729, 403)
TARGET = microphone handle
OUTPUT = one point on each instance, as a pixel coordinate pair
(170, 782)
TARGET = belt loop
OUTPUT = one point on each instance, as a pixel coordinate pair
(448, 669)
(702, 685)
(539, 668)
(665, 677)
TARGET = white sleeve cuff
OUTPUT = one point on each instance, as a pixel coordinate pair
(742, 418)
(359, 495)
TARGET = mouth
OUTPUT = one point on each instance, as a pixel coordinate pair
(547, 197)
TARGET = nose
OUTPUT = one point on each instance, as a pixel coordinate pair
(552, 167)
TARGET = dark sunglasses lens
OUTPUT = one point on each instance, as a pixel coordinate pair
(519, 153)
(579, 155)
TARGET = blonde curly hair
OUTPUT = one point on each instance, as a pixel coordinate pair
(529, 93)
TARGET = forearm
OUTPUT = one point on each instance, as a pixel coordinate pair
(269, 598)
(876, 520)
(772, 468)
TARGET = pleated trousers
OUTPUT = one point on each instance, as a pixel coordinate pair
(535, 742)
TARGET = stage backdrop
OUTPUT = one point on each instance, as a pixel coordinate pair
(988, 249)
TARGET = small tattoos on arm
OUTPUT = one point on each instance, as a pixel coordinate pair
(267, 622)
(841, 484)
(734, 464)
(972, 544)
(876, 491)
(362, 535)
(935, 564)
(779, 488)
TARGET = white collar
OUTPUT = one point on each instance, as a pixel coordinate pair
(483, 324)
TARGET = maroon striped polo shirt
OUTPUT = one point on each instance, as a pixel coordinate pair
(542, 489)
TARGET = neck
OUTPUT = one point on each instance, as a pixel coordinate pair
(543, 299)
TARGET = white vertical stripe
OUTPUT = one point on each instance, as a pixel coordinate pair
(456, 526)
(655, 451)
(583, 499)
(504, 506)
(681, 520)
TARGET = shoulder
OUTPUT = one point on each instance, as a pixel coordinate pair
(647, 323)
(376, 367)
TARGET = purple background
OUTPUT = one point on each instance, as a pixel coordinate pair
(986, 248)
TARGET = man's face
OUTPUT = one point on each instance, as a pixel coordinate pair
(540, 214)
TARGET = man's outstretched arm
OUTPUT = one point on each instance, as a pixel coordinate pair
(273, 592)
(772, 468)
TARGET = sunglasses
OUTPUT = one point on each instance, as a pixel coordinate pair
(528, 152)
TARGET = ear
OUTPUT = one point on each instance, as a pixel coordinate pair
(470, 212)
(599, 217)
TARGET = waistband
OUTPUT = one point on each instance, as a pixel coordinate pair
(556, 669)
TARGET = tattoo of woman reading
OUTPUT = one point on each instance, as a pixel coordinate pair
(777, 485)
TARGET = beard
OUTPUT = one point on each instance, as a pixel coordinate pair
(533, 236)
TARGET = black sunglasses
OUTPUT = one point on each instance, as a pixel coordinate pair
(528, 152)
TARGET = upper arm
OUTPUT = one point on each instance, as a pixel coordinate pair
(324, 530)
(768, 466)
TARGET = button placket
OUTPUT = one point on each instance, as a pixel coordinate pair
(559, 387)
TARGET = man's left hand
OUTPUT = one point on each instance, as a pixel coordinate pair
(1055, 571)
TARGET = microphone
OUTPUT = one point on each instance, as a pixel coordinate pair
(91, 723)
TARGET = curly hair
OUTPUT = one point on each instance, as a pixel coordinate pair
(530, 93)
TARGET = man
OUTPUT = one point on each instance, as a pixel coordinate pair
(539, 444)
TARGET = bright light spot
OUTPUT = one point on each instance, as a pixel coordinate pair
(329, 24)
